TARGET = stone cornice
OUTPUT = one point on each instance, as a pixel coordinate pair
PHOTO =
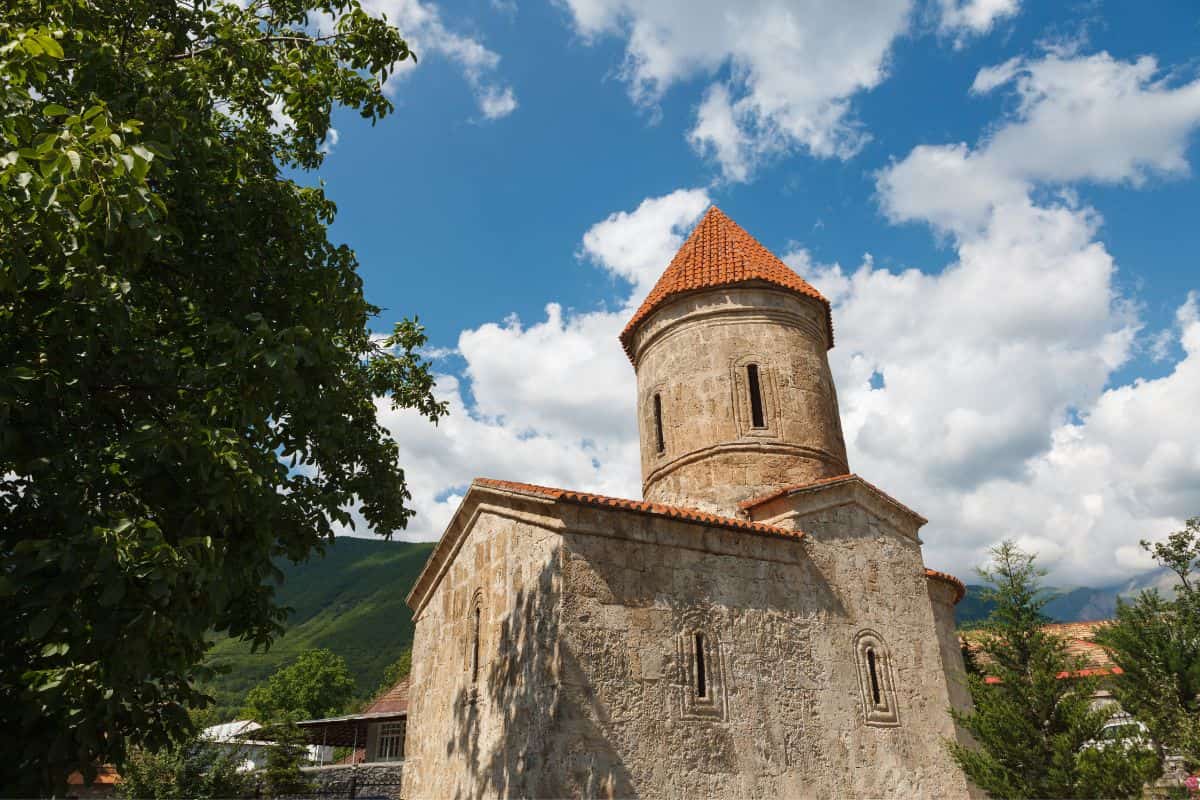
(745, 445)
(660, 325)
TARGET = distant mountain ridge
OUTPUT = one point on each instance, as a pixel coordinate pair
(1080, 604)
(350, 601)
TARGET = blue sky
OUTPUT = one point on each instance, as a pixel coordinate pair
(998, 195)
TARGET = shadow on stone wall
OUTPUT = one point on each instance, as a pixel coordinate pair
(531, 702)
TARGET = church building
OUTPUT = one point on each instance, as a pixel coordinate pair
(760, 625)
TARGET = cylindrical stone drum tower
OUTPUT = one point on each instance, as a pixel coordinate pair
(735, 396)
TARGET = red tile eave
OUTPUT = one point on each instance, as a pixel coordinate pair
(753, 502)
(1096, 672)
(717, 253)
(640, 507)
(394, 700)
(960, 589)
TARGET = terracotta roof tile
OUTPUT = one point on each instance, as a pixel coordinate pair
(1078, 637)
(394, 699)
(640, 506)
(959, 587)
(719, 252)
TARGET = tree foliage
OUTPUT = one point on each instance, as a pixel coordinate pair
(317, 684)
(1036, 730)
(192, 769)
(188, 382)
(282, 776)
(1156, 643)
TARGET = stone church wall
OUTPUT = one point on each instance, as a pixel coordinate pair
(787, 714)
(587, 682)
(456, 746)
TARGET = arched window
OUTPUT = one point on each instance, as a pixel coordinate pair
(875, 679)
(476, 618)
(757, 418)
(755, 399)
(874, 675)
(701, 676)
(474, 649)
(701, 682)
(660, 442)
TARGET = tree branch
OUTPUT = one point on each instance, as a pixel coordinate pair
(272, 39)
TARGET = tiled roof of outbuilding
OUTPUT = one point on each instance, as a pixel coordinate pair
(1078, 637)
(719, 252)
(394, 699)
(639, 506)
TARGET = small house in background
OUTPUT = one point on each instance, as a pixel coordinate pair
(242, 740)
(1080, 641)
(369, 748)
(375, 734)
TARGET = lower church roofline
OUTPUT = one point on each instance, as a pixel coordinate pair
(444, 551)
(638, 506)
(747, 505)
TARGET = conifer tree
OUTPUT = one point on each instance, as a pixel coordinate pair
(1156, 643)
(1033, 720)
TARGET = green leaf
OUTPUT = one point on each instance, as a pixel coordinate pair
(41, 624)
(54, 109)
(112, 594)
(52, 47)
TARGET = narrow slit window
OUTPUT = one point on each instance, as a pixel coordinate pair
(756, 405)
(658, 425)
(475, 645)
(701, 677)
(873, 675)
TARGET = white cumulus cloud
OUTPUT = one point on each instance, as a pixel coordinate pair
(982, 394)
(421, 25)
(1078, 118)
(782, 72)
(995, 412)
(963, 18)
(550, 402)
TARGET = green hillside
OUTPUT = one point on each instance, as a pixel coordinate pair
(350, 601)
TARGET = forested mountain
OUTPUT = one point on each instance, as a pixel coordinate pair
(351, 601)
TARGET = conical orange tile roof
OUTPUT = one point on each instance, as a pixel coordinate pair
(719, 252)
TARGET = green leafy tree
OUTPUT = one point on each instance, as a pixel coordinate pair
(192, 769)
(1156, 643)
(317, 684)
(188, 382)
(1035, 728)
